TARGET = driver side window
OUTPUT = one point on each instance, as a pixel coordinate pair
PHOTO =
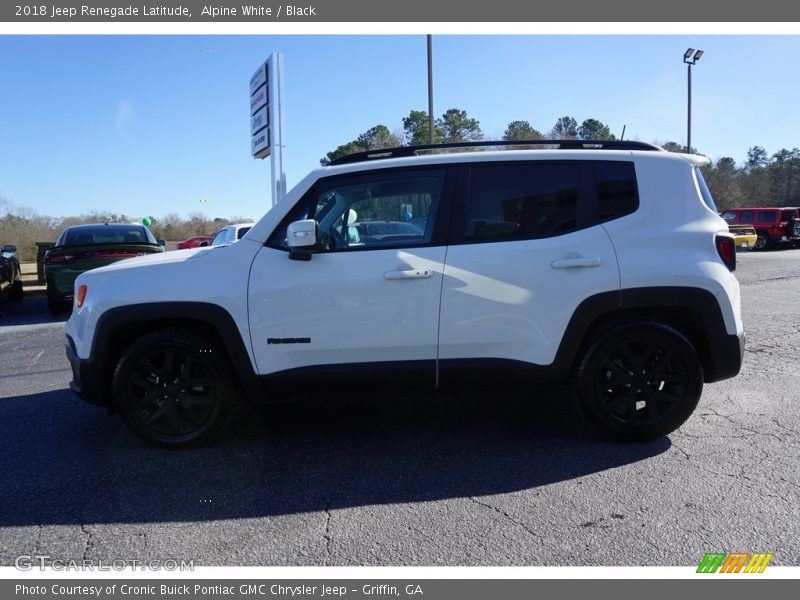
(374, 210)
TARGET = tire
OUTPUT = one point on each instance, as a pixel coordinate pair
(16, 292)
(175, 388)
(794, 227)
(55, 305)
(763, 242)
(639, 381)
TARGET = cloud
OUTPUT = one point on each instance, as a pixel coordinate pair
(124, 115)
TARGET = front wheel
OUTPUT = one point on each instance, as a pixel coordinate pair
(16, 287)
(175, 388)
(639, 381)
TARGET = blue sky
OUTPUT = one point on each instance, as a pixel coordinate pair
(148, 125)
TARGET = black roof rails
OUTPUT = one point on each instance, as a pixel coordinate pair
(402, 151)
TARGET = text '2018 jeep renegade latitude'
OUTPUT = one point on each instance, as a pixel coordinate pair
(602, 265)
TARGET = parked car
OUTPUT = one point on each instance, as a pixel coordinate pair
(10, 275)
(774, 226)
(387, 231)
(80, 248)
(744, 235)
(229, 234)
(600, 265)
(194, 242)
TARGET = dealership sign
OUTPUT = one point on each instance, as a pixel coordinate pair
(258, 79)
(260, 143)
(259, 121)
(266, 119)
(258, 99)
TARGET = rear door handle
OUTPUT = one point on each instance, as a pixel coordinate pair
(410, 274)
(576, 263)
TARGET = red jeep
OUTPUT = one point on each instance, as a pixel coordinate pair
(773, 226)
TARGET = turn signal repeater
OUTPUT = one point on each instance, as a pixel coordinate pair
(81, 295)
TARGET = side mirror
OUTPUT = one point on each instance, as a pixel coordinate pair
(203, 243)
(301, 237)
(161, 242)
(9, 248)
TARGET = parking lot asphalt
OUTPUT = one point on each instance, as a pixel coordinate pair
(489, 479)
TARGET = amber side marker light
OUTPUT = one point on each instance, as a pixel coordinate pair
(81, 295)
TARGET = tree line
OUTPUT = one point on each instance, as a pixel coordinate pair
(763, 179)
(456, 126)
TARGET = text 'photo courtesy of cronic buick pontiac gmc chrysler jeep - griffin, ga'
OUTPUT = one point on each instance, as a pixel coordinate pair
(600, 265)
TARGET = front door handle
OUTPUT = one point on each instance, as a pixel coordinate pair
(410, 274)
(576, 263)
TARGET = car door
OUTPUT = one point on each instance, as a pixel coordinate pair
(364, 309)
(528, 248)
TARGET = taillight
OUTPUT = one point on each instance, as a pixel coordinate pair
(116, 254)
(58, 259)
(726, 248)
(81, 295)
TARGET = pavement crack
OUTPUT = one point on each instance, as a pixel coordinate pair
(784, 427)
(327, 536)
(597, 523)
(89, 541)
(736, 426)
(686, 455)
(507, 516)
(37, 545)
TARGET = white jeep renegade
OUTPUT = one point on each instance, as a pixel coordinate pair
(603, 265)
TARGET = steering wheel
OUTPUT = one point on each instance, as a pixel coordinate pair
(332, 240)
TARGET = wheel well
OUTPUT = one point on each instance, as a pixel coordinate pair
(682, 319)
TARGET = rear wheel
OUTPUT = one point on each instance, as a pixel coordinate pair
(763, 241)
(56, 304)
(639, 381)
(175, 388)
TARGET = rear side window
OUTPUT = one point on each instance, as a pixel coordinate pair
(520, 201)
(746, 216)
(767, 217)
(616, 189)
(704, 191)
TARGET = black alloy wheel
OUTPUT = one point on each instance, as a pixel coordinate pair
(640, 381)
(174, 388)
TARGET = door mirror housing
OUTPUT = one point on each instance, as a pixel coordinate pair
(301, 237)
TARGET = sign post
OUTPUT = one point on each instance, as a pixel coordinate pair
(266, 119)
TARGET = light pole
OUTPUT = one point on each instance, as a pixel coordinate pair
(430, 89)
(690, 57)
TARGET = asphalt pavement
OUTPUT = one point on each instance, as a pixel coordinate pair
(484, 479)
